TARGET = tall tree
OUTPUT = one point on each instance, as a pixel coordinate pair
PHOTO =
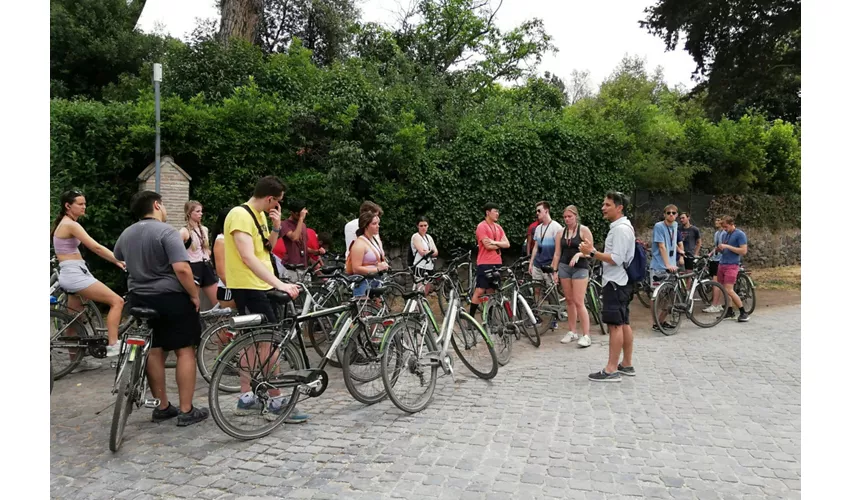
(241, 19)
(747, 52)
(325, 27)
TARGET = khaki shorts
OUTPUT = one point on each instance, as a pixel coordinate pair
(538, 275)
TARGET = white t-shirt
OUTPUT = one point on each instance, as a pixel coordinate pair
(428, 241)
(351, 234)
(220, 283)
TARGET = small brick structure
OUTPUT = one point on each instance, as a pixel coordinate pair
(174, 185)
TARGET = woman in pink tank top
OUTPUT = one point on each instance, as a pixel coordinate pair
(74, 276)
(196, 237)
(367, 252)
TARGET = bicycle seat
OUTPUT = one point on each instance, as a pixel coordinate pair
(330, 269)
(377, 291)
(144, 313)
(295, 267)
(547, 269)
(278, 297)
(412, 294)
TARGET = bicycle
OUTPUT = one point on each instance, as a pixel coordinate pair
(131, 378)
(746, 290)
(409, 348)
(547, 302)
(673, 298)
(593, 296)
(459, 276)
(259, 349)
(505, 318)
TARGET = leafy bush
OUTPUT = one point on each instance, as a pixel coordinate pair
(759, 210)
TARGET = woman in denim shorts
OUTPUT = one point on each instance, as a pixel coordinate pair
(573, 270)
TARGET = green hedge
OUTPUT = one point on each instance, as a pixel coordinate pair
(759, 210)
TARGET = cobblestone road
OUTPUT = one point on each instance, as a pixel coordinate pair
(712, 414)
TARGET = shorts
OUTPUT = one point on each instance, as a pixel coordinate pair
(203, 273)
(254, 302)
(567, 272)
(294, 276)
(74, 276)
(537, 274)
(421, 272)
(727, 273)
(657, 277)
(615, 304)
(223, 294)
(365, 285)
(689, 263)
(712, 267)
(178, 324)
(481, 279)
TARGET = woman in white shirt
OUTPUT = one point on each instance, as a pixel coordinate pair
(420, 244)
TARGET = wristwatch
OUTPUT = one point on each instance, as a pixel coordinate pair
(276, 230)
(592, 253)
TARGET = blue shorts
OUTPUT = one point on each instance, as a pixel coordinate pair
(481, 279)
(362, 287)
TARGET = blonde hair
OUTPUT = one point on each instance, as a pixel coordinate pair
(188, 208)
(574, 210)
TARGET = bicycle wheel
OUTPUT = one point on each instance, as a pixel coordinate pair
(545, 305)
(746, 290)
(64, 356)
(361, 364)
(527, 324)
(464, 278)
(644, 293)
(498, 330)
(213, 341)
(704, 313)
(254, 360)
(408, 372)
(473, 347)
(94, 317)
(128, 387)
(320, 331)
(593, 303)
(665, 301)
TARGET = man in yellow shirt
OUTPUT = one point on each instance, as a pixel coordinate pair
(248, 267)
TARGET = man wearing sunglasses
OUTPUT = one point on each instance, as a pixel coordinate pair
(665, 247)
(543, 249)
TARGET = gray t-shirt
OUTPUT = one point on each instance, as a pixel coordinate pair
(149, 247)
(620, 243)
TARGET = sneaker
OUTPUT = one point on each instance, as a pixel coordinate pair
(194, 416)
(554, 325)
(730, 314)
(712, 309)
(246, 405)
(584, 341)
(626, 370)
(113, 350)
(569, 337)
(743, 317)
(601, 376)
(162, 415)
(666, 325)
(276, 406)
(85, 365)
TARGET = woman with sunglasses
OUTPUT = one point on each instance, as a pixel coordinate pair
(74, 275)
(421, 244)
(574, 272)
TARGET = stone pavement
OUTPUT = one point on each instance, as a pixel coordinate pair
(712, 414)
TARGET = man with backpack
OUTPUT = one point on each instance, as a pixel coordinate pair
(622, 265)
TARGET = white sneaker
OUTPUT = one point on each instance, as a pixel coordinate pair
(569, 337)
(712, 309)
(113, 350)
(85, 365)
(584, 341)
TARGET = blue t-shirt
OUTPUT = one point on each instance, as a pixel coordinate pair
(545, 235)
(736, 239)
(718, 239)
(662, 233)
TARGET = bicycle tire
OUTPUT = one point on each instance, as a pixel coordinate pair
(124, 400)
(527, 325)
(359, 351)
(404, 336)
(706, 290)
(218, 404)
(474, 340)
(746, 290)
(644, 294)
(498, 331)
(209, 341)
(320, 331)
(546, 307)
(664, 299)
(59, 319)
(464, 278)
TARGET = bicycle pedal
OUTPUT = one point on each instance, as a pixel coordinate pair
(113, 364)
(152, 403)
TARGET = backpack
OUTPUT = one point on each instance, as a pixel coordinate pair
(410, 256)
(636, 269)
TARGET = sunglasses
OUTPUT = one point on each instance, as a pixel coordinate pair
(672, 213)
(539, 210)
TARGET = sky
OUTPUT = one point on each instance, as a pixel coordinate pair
(590, 35)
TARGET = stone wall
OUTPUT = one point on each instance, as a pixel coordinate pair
(765, 248)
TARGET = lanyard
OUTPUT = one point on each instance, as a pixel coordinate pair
(379, 253)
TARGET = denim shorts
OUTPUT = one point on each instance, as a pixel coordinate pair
(567, 272)
(362, 287)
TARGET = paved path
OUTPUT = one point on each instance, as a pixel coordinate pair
(711, 414)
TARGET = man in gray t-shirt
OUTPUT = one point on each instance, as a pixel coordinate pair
(161, 279)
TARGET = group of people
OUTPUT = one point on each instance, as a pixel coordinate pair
(252, 253)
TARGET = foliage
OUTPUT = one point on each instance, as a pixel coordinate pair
(759, 210)
(747, 52)
(326, 27)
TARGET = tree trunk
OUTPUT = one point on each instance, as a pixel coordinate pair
(241, 19)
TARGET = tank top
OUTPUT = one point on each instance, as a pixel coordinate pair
(569, 248)
(196, 249)
(370, 258)
(66, 246)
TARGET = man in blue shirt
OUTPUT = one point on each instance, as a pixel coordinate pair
(665, 246)
(731, 249)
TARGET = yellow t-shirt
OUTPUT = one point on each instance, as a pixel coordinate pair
(239, 276)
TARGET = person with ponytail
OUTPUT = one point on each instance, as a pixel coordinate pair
(225, 298)
(574, 273)
(366, 254)
(196, 238)
(74, 275)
